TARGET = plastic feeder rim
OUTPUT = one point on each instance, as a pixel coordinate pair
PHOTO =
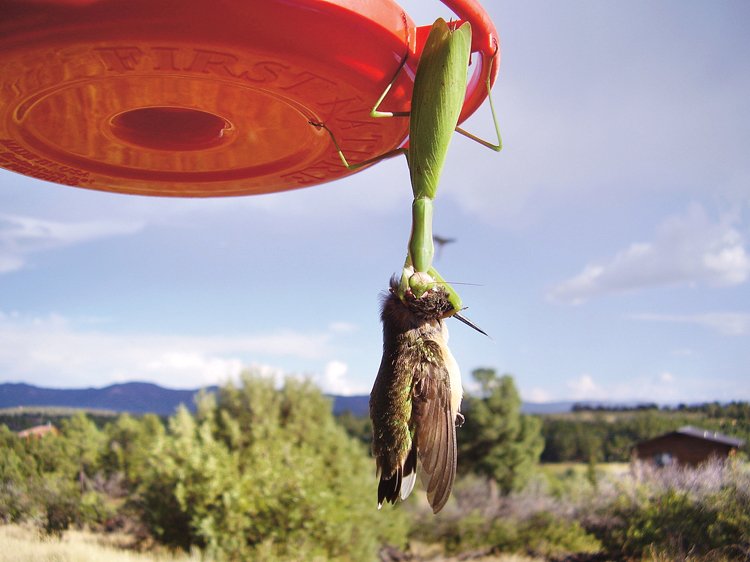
(194, 98)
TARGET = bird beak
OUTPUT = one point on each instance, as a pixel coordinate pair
(469, 323)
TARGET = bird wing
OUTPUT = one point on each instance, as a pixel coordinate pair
(435, 431)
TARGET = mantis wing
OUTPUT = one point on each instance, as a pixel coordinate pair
(437, 98)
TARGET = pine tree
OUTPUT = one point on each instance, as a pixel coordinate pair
(497, 440)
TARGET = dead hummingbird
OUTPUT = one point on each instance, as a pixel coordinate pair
(415, 401)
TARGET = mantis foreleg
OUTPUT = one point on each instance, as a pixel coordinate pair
(421, 248)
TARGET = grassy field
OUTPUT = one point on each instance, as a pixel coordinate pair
(24, 544)
(55, 411)
(433, 553)
(568, 468)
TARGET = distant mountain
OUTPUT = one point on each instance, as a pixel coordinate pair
(357, 405)
(135, 397)
(142, 397)
(546, 407)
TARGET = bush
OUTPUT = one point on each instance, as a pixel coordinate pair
(551, 535)
(544, 534)
(697, 517)
(61, 506)
(521, 523)
(261, 473)
(673, 514)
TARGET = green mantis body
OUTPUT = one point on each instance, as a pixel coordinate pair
(437, 98)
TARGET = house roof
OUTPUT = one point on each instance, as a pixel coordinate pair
(38, 430)
(710, 435)
(700, 433)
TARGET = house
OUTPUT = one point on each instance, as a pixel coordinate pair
(39, 431)
(687, 446)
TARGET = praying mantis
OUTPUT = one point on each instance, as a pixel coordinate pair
(415, 401)
(437, 98)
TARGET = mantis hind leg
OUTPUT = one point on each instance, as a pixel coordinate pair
(496, 147)
(345, 162)
(373, 113)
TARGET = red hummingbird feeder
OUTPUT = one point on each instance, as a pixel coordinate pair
(193, 98)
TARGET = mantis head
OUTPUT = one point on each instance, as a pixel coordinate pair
(416, 285)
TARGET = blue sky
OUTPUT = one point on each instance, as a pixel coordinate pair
(607, 244)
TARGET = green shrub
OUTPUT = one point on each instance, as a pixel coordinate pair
(499, 533)
(729, 530)
(61, 506)
(551, 535)
(677, 524)
(266, 474)
(94, 509)
(543, 533)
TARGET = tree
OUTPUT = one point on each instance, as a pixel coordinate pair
(18, 476)
(84, 443)
(497, 440)
(265, 473)
(129, 442)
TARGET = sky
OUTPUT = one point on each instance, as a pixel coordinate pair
(605, 249)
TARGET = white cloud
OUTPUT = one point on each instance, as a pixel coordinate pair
(666, 377)
(537, 394)
(333, 380)
(727, 323)
(662, 387)
(21, 236)
(176, 365)
(647, 389)
(9, 263)
(584, 388)
(687, 249)
(342, 327)
(54, 351)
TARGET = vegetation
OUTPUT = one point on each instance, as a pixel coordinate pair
(23, 543)
(669, 514)
(17, 419)
(481, 522)
(265, 473)
(608, 435)
(679, 514)
(497, 441)
(257, 473)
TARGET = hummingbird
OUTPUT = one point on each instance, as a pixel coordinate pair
(416, 398)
